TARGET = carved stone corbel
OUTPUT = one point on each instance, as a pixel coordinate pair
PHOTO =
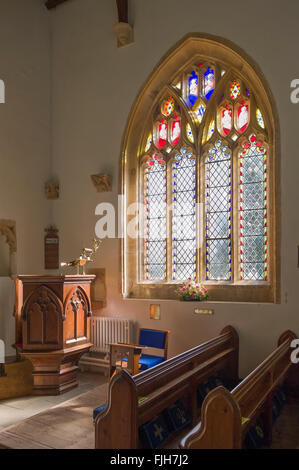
(102, 182)
(124, 34)
(52, 191)
(8, 229)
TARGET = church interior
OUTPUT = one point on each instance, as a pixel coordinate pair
(149, 251)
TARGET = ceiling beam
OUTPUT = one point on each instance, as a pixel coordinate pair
(122, 7)
(53, 3)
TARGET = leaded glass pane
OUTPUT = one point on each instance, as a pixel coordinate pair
(155, 219)
(183, 220)
(253, 211)
(260, 119)
(218, 212)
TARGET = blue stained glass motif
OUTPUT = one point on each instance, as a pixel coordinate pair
(218, 213)
(193, 88)
(184, 217)
(209, 83)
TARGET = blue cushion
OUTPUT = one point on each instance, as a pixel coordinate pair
(147, 361)
(152, 338)
(153, 433)
(98, 410)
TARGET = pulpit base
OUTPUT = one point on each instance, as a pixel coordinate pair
(55, 372)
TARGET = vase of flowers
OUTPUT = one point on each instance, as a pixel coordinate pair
(191, 290)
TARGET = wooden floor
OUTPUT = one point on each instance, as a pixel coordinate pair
(66, 426)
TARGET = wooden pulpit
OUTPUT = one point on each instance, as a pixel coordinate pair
(52, 328)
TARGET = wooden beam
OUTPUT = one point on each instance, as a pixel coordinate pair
(122, 7)
(53, 3)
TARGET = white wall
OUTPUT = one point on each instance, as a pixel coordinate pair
(94, 86)
(24, 132)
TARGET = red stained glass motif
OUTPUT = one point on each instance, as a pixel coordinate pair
(226, 120)
(243, 116)
(175, 131)
(161, 137)
(167, 106)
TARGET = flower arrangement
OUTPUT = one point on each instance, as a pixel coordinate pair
(192, 290)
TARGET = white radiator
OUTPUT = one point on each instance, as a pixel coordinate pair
(104, 330)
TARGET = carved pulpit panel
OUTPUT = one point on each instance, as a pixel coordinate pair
(77, 310)
(43, 314)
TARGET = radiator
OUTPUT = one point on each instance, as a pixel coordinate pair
(104, 330)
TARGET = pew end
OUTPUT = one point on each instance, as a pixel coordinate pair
(120, 421)
(221, 416)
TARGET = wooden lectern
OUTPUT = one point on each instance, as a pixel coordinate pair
(52, 328)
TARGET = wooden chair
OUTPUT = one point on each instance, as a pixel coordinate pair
(157, 339)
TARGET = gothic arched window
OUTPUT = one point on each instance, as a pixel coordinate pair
(205, 177)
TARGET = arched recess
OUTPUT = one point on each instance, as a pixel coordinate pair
(210, 49)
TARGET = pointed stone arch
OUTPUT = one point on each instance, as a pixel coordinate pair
(181, 55)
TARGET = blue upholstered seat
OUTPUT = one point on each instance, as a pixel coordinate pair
(98, 410)
(152, 339)
(146, 361)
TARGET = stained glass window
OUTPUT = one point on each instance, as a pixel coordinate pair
(189, 133)
(211, 129)
(235, 90)
(197, 142)
(218, 212)
(175, 131)
(193, 87)
(155, 219)
(209, 83)
(167, 106)
(243, 116)
(199, 112)
(253, 211)
(148, 143)
(161, 134)
(184, 220)
(260, 119)
(226, 120)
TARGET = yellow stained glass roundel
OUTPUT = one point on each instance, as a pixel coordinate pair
(167, 107)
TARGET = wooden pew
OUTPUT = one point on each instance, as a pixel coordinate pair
(222, 424)
(177, 378)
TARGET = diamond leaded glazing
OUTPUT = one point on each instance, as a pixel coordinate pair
(183, 220)
(253, 211)
(155, 219)
(218, 212)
